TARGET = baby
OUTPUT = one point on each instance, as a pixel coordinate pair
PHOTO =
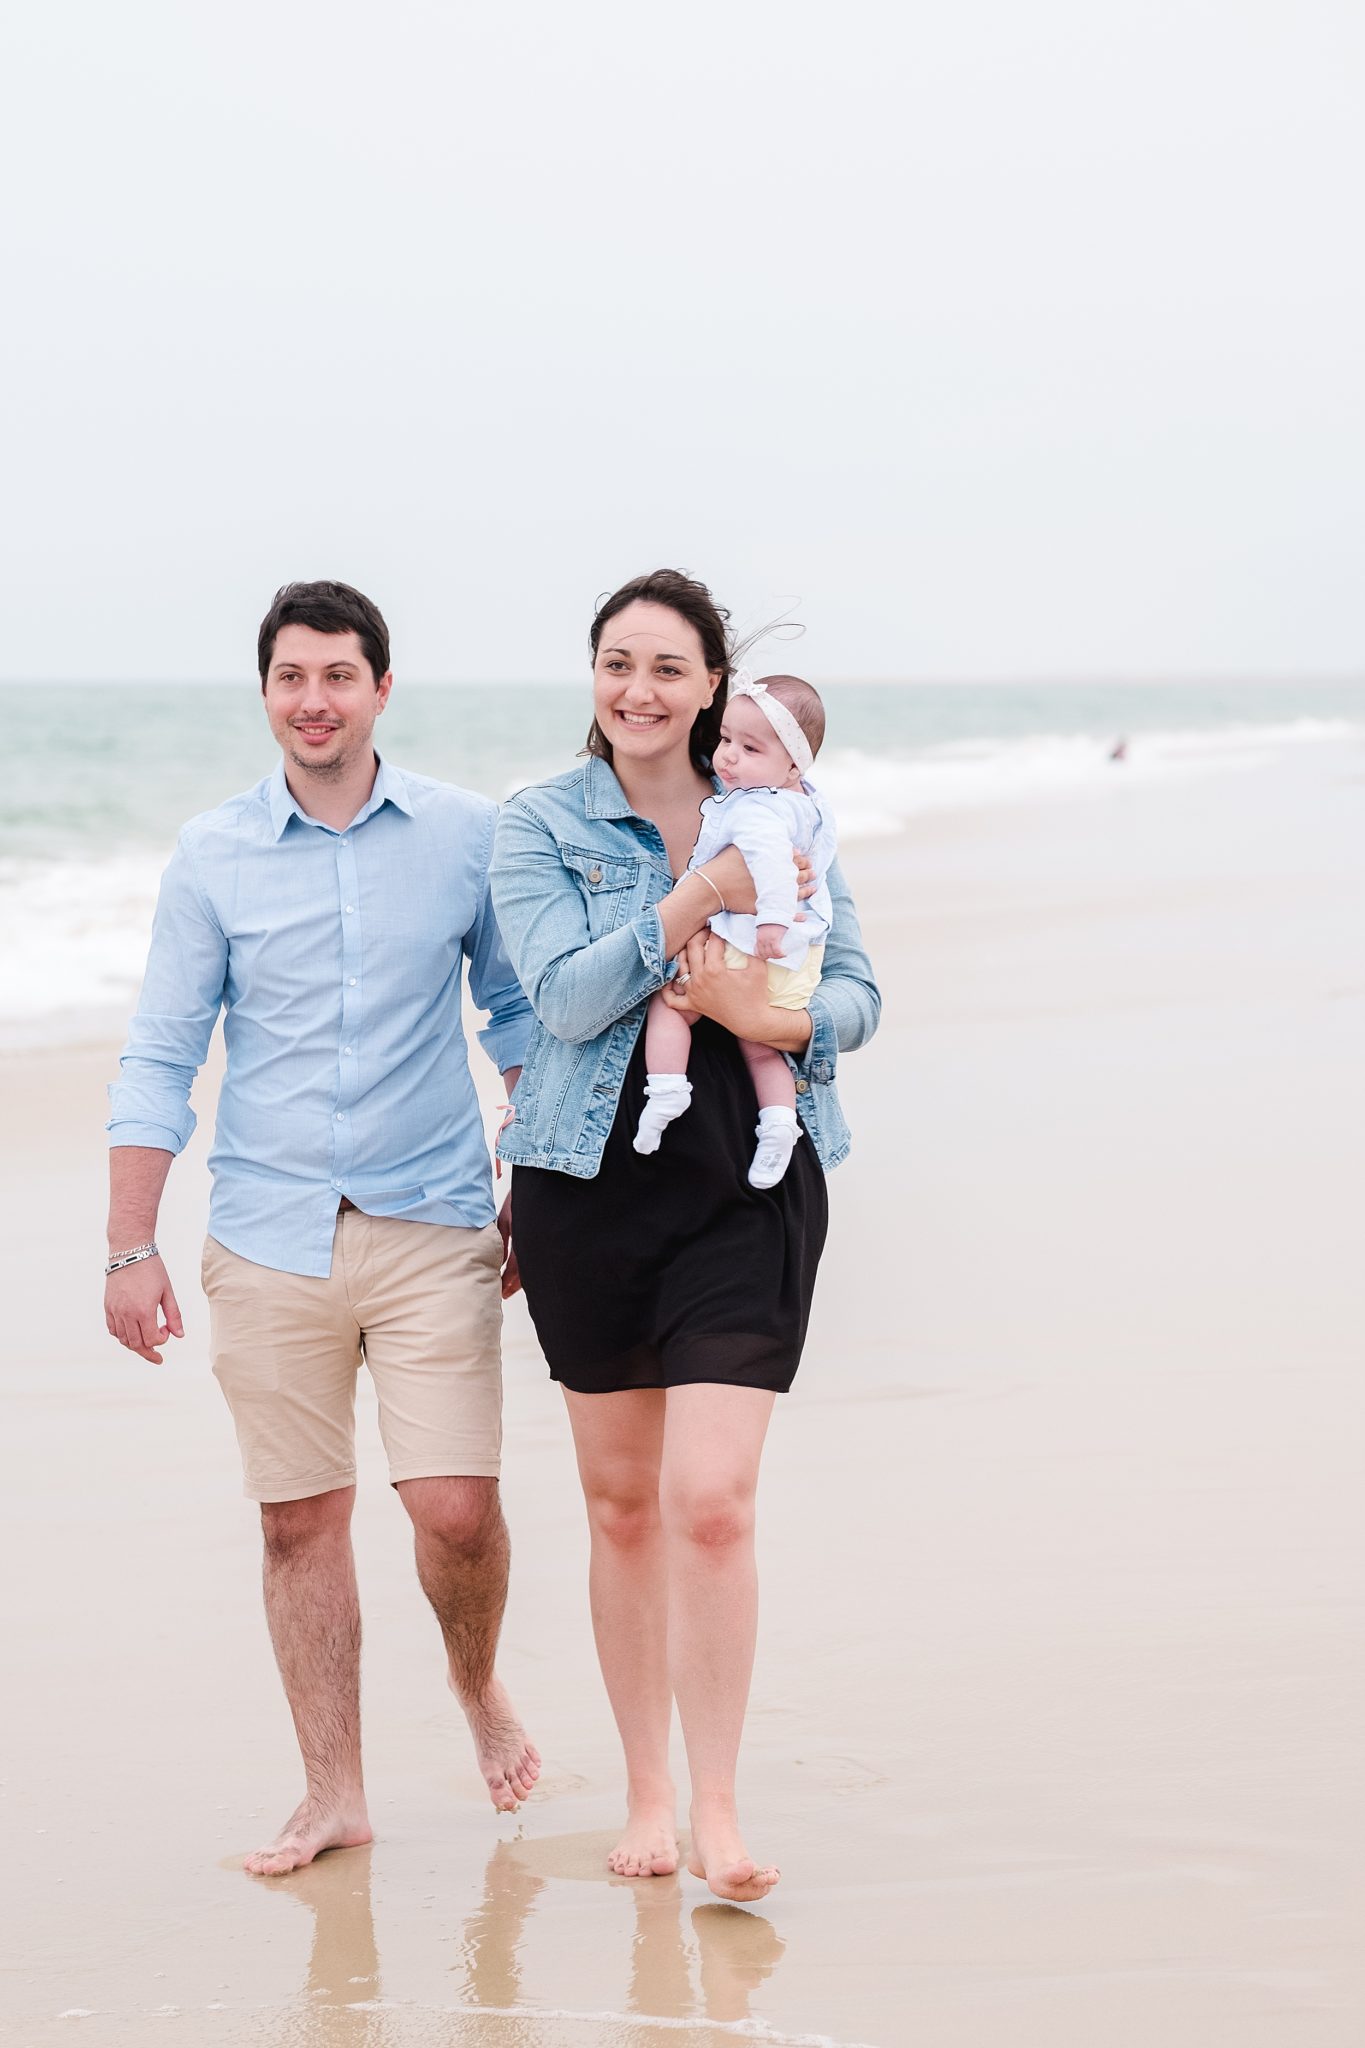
(770, 733)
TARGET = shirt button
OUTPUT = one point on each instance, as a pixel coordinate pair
(340, 1115)
(802, 1086)
(350, 907)
(343, 842)
(347, 1050)
(594, 874)
(352, 981)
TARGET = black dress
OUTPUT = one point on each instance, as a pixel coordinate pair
(668, 1268)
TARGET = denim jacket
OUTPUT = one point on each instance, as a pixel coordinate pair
(575, 878)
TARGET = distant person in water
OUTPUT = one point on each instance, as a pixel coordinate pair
(770, 733)
(352, 1214)
(1119, 750)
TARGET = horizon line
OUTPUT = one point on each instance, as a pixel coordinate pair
(1105, 679)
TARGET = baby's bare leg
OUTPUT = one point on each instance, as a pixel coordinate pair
(774, 1082)
(668, 1043)
(778, 1125)
(668, 1039)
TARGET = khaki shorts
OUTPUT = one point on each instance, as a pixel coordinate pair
(421, 1303)
(789, 988)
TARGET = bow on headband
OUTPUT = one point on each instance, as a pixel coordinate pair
(778, 717)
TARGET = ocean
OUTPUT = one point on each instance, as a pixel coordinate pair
(103, 775)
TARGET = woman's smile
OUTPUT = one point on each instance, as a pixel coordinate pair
(650, 680)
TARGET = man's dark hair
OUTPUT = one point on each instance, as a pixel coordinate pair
(327, 608)
(692, 601)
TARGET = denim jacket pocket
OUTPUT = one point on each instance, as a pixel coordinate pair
(608, 883)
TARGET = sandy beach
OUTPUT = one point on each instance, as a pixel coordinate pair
(1055, 1724)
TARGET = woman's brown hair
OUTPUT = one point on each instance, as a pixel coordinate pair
(691, 601)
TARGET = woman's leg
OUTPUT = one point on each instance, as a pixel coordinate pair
(619, 1441)
(713, 1439)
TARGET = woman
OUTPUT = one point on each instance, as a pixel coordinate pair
(670, 1297)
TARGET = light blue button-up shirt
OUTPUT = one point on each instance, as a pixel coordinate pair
(337, 958)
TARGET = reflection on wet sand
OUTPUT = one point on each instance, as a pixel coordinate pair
(660, 1981)
(738, 1952)
(490, 1949)
(343, 1960)
(706, 1975)
(734, 1951)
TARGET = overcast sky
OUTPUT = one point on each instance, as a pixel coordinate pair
(1012, 337)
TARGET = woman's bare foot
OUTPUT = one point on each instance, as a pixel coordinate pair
(311, 1828)
(649, 1844)
(510, 1764)
(718, 1854)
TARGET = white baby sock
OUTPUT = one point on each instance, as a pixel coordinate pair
(666, 1096)
(777, 1131)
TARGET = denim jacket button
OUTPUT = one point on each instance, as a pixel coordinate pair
(594, 874)
(802, 1086)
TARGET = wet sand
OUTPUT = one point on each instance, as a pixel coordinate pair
(1055, 1726)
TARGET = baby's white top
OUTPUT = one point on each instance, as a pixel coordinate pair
(766, 824)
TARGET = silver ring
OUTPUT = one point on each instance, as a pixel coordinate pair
(683, 977)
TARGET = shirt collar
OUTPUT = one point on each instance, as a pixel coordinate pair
(390, 787)
(603, 796)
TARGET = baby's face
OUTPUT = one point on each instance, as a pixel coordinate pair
(750, 755)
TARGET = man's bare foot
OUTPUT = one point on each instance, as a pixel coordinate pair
(311, 1828)
(649, 1845)
(510, 1764)
(718, 1854)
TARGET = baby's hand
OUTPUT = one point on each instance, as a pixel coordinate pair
(769, 939)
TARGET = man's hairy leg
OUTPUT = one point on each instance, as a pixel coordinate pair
(314, 1614)
(463, 1555)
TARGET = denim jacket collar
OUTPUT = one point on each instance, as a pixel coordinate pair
(603, 796)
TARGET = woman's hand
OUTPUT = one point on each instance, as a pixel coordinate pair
(734, 997)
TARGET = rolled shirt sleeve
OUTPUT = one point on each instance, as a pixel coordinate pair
(182, 993)
(495, 988)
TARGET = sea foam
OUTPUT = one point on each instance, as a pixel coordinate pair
(74, 925)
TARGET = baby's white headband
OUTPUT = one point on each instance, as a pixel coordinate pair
(779, 718)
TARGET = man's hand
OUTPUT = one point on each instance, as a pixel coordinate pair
(511, 1278)
(135, 1300)
(769, 939)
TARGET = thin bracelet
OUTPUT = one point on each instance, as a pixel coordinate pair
(134, 1257)
(702, 877)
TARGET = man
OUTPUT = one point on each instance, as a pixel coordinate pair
(329, 910)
